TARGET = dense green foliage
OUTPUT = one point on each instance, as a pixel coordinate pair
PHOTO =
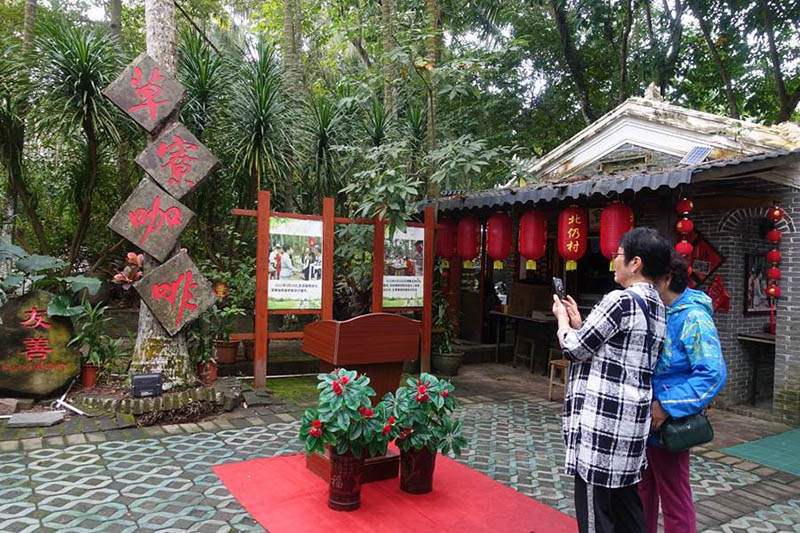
(511, 80)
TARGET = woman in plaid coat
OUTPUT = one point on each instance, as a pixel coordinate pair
(612, 355)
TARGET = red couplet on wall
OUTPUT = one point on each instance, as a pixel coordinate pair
(468, 239)
(573, 225)
(446, 239)
(615, 220)
(498, 238)
(532, 237)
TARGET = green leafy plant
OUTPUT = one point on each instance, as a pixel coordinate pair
(345, 419)
(221, 320)
(423, 409)
(101, 348)
(200, 339)
(32, 271)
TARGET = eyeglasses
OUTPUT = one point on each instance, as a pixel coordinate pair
(614, 255)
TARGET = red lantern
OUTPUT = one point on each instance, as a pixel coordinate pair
(684, 248)
(446, 240)
(684, 206)
(532, 237)
(773, 273)
(498, 238)
(774, 256)
(774, 236)
(573, 225)
(468, 239)
(775, 213)
(773, 291)
(684, 226)
(615, 221)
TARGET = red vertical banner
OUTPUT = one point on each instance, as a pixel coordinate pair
(427, 289)
(262, 291)
(327, 257)
(377, 266)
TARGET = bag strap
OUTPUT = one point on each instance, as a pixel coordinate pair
(650, 337)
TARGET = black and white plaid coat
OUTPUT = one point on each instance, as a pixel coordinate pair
(607, 403)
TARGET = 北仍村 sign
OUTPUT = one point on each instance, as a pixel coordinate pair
(403, 264)
(295, 263)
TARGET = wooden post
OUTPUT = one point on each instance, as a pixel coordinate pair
(262, 291)
(377, 266)
(454, 294)
(327, 257)
(427, 288)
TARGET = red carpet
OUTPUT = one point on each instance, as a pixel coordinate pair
(285, 497)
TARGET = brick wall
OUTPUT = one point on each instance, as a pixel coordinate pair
(654, 160)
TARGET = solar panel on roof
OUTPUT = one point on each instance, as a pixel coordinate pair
(697, 154)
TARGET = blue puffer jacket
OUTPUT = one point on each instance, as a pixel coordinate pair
(691, 369)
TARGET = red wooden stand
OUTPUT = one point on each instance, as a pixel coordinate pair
(376, 344)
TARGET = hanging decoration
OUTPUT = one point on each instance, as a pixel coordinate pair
(446, 241)
(684, 226)
(532, 237)
(498, 238)
(773, 291)
(468, 239)
(615, 221)
(573, 226)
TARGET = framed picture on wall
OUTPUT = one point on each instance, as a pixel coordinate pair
(705, 259)
(755, 285)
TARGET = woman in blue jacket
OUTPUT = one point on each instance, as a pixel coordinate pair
(689, 374)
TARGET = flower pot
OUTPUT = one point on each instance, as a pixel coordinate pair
(207, 372)
(416, 471)
(89, 375)
(225, 352)
(447, 364)
(249, 349)
(344, 486)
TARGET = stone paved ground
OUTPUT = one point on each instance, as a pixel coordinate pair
(159, 479)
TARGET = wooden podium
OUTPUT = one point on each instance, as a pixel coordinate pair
(376, 344)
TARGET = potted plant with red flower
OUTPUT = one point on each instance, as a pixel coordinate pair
(348, 427)
(424, 427)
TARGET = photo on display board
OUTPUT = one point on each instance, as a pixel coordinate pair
(295, 263)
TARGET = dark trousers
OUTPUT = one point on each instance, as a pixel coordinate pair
(604, 510)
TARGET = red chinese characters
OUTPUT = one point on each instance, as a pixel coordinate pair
(169, 292)
(36, 347)
(154, 218)
(179, 162)
(147, 92)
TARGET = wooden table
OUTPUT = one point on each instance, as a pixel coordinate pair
(764, 342)
(543, 320)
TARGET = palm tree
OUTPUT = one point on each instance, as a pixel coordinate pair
(75, 64)
(319, 134)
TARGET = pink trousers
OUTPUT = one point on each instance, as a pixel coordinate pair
(667, 479)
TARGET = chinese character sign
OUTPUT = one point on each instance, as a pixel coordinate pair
(403, 268)
(34, 357)
(176, 292)
(144, 93)
(177, 161)
(573, 229)
(151, 219)
(295, 263)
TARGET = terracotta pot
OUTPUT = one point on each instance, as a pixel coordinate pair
(344, 486)
(207, 372)
(225, 352)
(249, 349)
(416, 471)
(447, 364)
(89, 375)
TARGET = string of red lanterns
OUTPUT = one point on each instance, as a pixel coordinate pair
(684, 226)
(775, 214)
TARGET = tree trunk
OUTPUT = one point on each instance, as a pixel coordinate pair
(86, 210)
(114, 12)
(389, 71)
(787, 101)
(723, 71)
(434, 53)
(666, 66)
(572, 59)
(155, 351)
(28, 24)
(623, 54)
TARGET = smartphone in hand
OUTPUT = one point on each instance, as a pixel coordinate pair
(558, 288)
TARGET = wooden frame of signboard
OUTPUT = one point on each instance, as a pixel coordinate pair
(262, 335)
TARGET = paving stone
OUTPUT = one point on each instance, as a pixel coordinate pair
(729, 460)
(764, 471)
(207, 426)
(239, 423)
(125, 421)
(41, 419)
(96, 437)
(9, 446)
(116, 434)
(8, 406)
(255, 421)
(190, 428)
(31, 444)
(24, 404)
(154, 431)
(53, 441)
(713, 455)
(172, 429)
(53, 431)
(76, 439)
(285, 417)
(105, 424)
(747, 465)
(223, 423)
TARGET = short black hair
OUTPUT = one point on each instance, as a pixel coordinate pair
(651, 247)
(678, 273)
